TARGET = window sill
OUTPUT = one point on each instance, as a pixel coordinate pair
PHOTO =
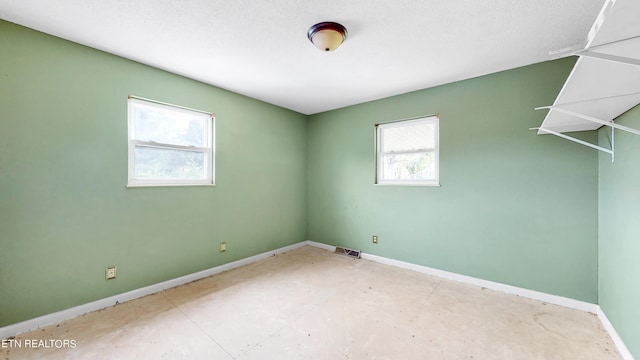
(128, 186)
(409, 184)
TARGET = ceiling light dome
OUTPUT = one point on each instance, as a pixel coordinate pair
(327, 36)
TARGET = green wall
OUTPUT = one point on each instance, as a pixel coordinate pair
(65, 213)
(619, 232)
(513, 207)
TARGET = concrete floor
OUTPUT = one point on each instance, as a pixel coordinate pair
(313, 304)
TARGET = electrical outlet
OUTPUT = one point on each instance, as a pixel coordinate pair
(375, 239)
(223, 247)
(110, 272)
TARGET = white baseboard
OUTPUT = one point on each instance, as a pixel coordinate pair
(509, 289)
(321, 245)
(49, 319)
(53, 318)
(622, 348)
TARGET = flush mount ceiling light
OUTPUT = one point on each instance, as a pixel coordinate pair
(327, 36)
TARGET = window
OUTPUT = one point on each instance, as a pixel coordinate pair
(407, 152)
(169, 145)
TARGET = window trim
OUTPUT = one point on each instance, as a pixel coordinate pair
(379, 136)
(208, 151)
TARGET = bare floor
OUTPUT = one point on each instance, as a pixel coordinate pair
(313, 304)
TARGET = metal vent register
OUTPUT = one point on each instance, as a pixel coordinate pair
(349, 252)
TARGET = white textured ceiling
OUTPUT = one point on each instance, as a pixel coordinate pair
(259, 48)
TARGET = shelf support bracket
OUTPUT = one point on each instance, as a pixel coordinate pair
(609, 57)
(581, 142)
(592, 119)
(612, 142)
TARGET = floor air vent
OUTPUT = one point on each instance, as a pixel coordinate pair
(349, 252)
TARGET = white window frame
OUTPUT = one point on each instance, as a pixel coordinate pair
(208, 150)
(432, 119)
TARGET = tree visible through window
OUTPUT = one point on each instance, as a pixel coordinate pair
(169, 145)
(407, 152)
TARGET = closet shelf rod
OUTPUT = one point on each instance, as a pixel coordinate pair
(592, 119)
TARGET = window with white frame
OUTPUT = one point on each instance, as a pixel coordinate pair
(169, 145)
(407, 152)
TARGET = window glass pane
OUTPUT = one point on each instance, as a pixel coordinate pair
(157, 163)
(167, 126)
(420, 166)
(409, 138)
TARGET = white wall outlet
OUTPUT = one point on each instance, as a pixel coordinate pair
(223, 247)
(110, 272)
(375, 239)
